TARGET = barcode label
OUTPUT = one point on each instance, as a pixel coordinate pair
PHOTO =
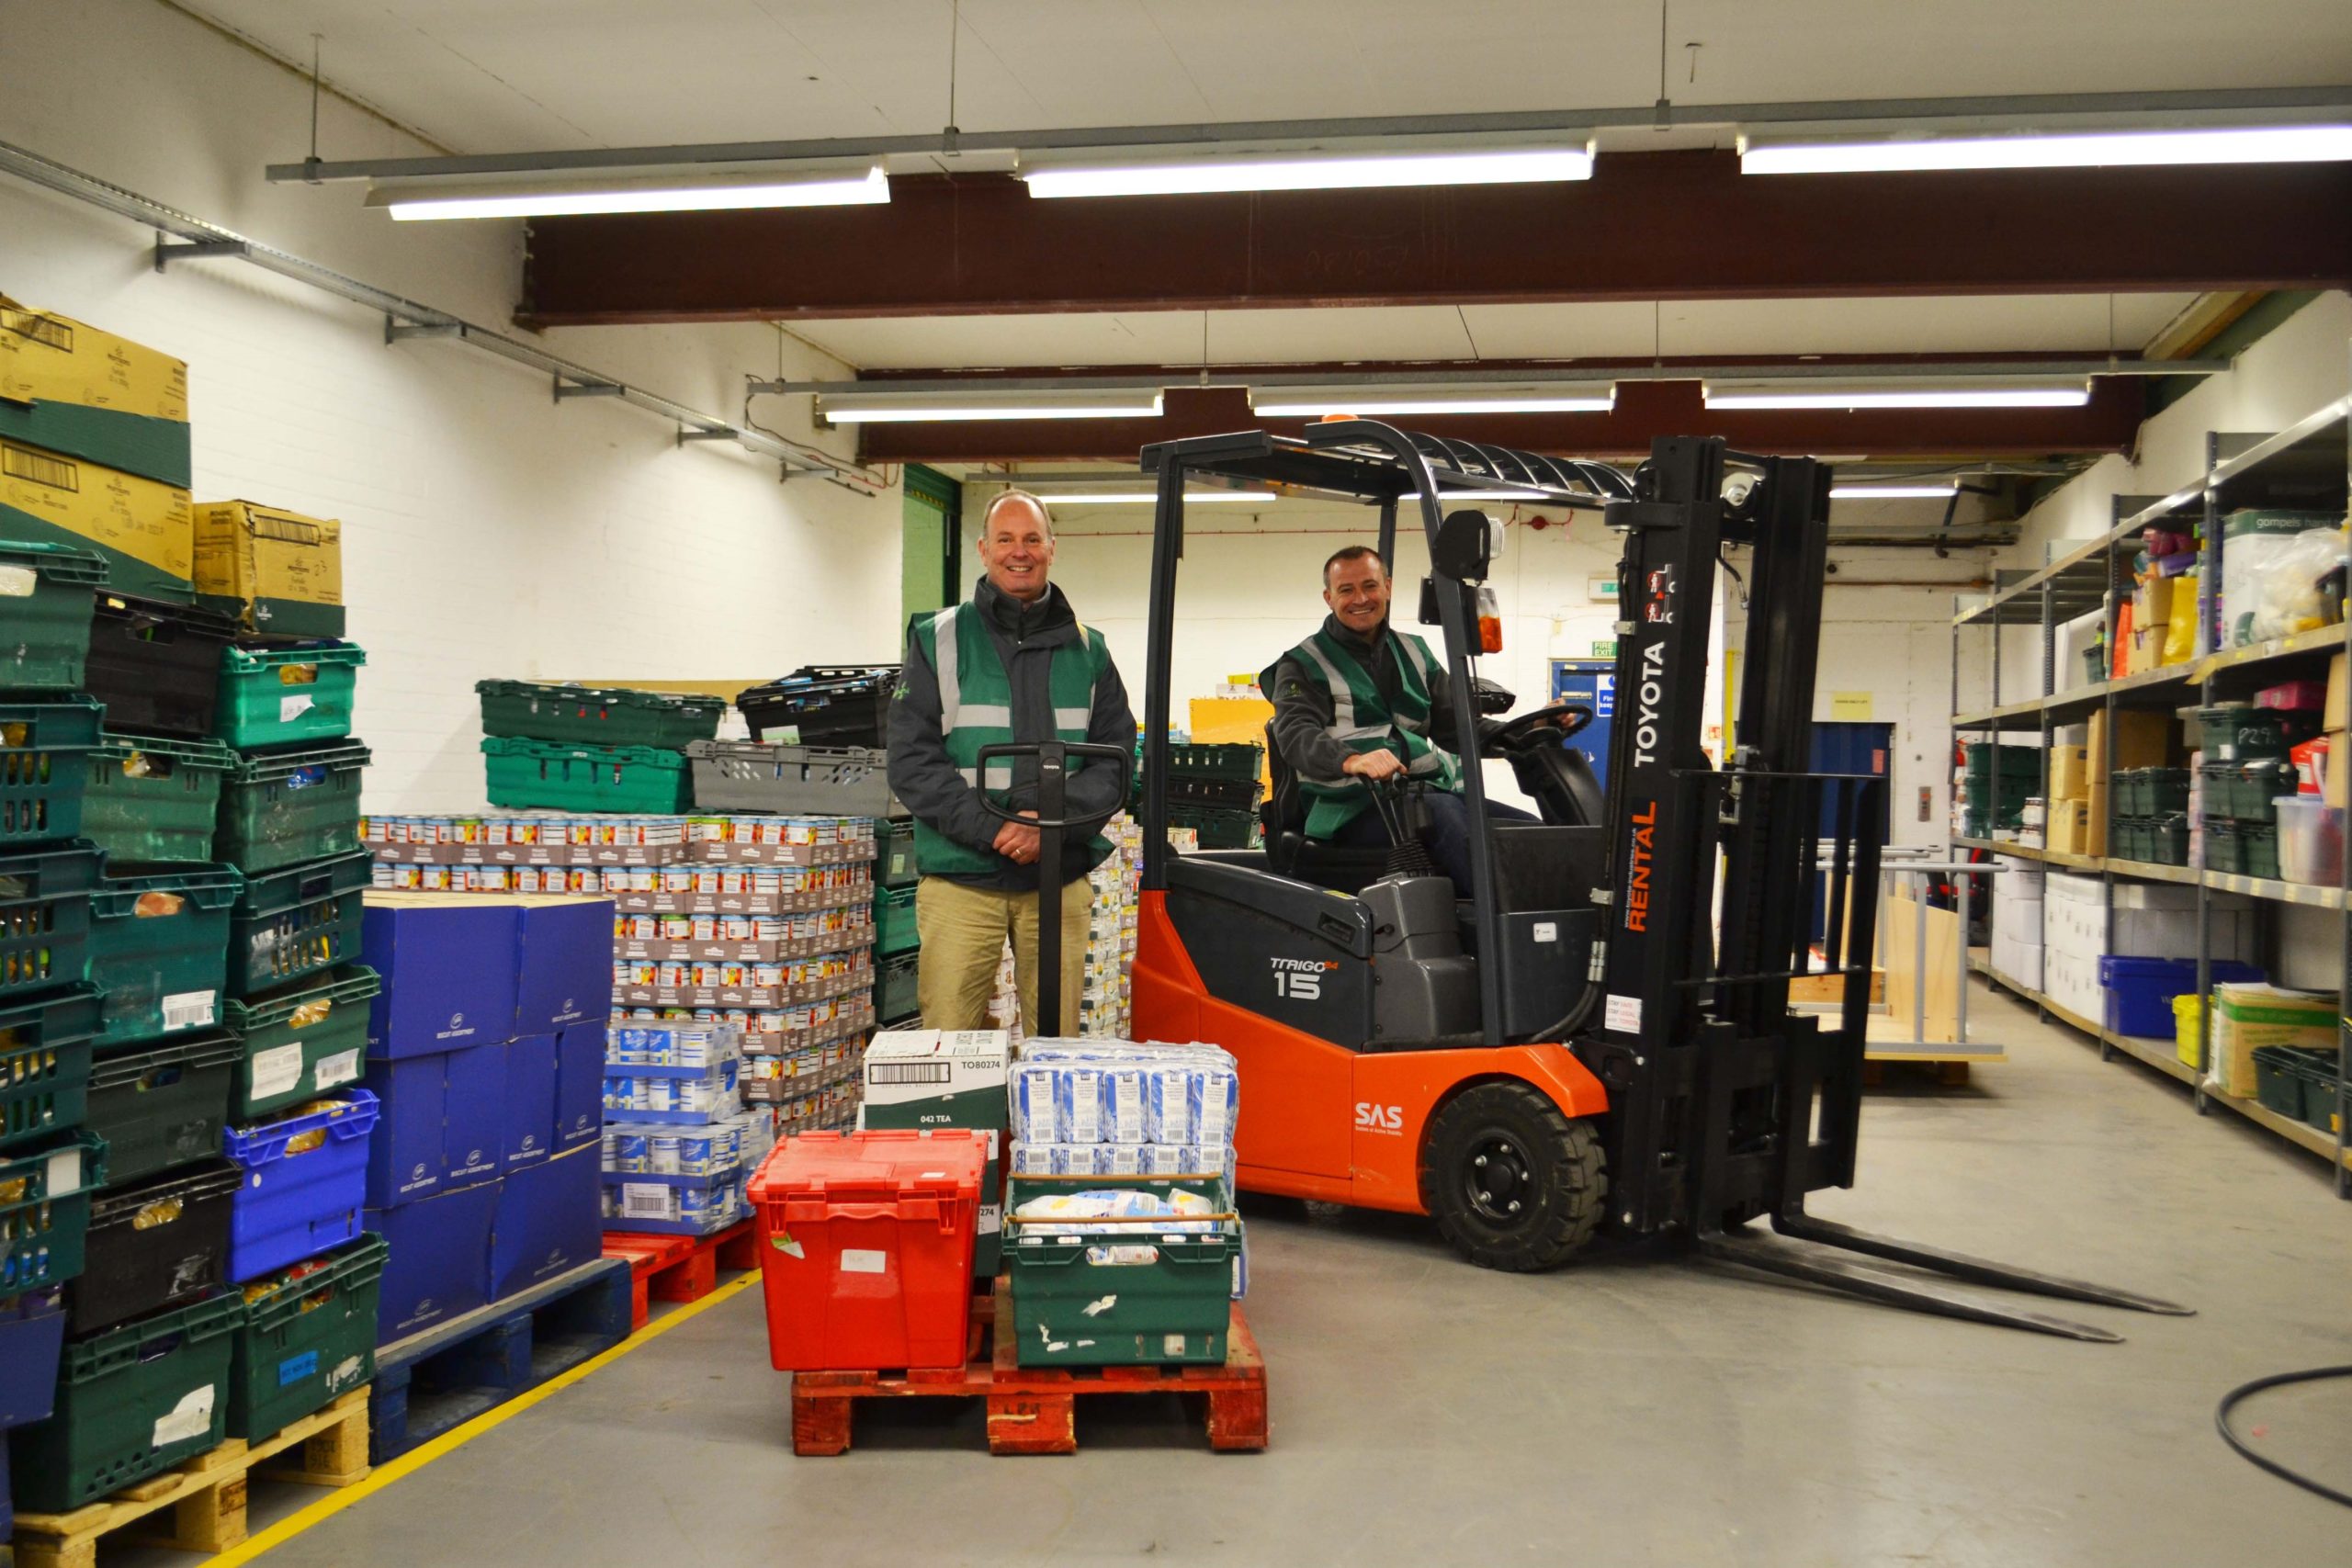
(188, 1010)
(906, 1072)
(24, 463)
(645, 1200)
(277, 1070)
(341, 1067)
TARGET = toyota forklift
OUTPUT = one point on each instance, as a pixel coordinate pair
(1600, 1034)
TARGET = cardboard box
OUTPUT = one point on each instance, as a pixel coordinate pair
(579, 1085)
(474, 1129)
(550, 1219)
(447, 962)
(2069, 827)
(439, 1263)
(2069, 773)
(275, 572)
(441, 1125)
(2143, 739)
(146, 529)
(2339, 767)
(155, 449)
(2337, 711)
(2248, 1016)
(528, 1098)
(46, 357)
(927, 1078)
(563, 964)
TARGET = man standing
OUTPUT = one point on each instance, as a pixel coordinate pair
(1360, 701)
(1009, 665)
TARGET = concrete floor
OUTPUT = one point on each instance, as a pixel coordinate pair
(1632, 1409)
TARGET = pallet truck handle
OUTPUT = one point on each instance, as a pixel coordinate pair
(1053, 775)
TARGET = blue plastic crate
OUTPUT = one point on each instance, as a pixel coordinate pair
(295, 1205)
(2139, 990)
(32, 1329)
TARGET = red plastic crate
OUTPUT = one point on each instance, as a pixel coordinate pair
(865, 1248)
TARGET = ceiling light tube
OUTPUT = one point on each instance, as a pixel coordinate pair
(1501, 165)
(2103, 149)
(887, 408)
(1367, 402)
(1892, 493)
(1802, 394)
(672, 191)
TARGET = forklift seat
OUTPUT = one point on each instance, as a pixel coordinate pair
(1342, 868)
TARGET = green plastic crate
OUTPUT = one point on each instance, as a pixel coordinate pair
(1235, 761)
(45, 917)
(894, 922)
(302, 1041)
(45, 1063)
(287, 696)
(1220, 828)
(895, 980)
(290, 924)
(46, 591)
(42, 746)
(596, 716)
(161, 1105)
(2151, 792)
(159, 951)
(2280, 1082)
(2240, 732)
(307, 1341)
(282, 808)
(131, 1402)
(45, 1209)
(2314, 1075)
(528, 773)
(2131, 838)
(894, 853)
(152, 801)
(2244, 790)
(2168, 839)
(1118, 1296)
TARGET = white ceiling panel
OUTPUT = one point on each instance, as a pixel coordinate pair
(970, 342)
(1402, 333)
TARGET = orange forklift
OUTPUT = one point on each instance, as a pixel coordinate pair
(1600, 1034)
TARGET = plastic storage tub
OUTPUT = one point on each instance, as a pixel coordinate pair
(865, 1248)
(822, 705)
(303, 1042)
(1089, 1293)
(45, 1063)
(161, 1105)
(2139, 990)
(894, 922)
(2311, 840)
(157, 667)
(42, 747)
(745, 775)
(32, 1330)
(528, 773)
(596, 716)
(292, 923)
(154, 800)
(45, 918)
(159, 947)
(305, 1181)
(47, 593)
(308, 1339)
(288, 696)
(288, 807)
(2240, 732)
(896, 981)
(45, 1210)
(131, 1402)
(153, 1245)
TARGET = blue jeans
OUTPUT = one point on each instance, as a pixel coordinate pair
(1448, 836)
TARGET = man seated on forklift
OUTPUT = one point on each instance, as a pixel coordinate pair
(1358, 701)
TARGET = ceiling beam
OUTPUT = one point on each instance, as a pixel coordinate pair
(1676, 225)
(1644, 410)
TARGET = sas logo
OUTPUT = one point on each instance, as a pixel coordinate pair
(1371, 1118)
(1300, 979)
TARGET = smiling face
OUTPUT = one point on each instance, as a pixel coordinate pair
(1017, 546)
(1356, 589)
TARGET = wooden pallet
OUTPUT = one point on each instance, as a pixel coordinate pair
(207, 1495)
(681, 1268)
(1034, 1410)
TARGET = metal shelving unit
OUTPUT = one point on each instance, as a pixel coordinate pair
(2308, 464)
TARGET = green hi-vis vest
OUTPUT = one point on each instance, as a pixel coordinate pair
(975, 710)
(1362, 721)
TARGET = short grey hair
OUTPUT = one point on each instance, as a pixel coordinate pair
(988, 516)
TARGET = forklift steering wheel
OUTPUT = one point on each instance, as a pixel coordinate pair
(1566, 718)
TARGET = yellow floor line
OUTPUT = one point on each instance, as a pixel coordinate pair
(456, 1437)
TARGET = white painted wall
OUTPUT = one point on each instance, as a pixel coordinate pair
(487, 532)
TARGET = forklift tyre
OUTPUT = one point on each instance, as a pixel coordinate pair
(1513, 1184)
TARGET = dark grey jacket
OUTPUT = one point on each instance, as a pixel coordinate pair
(1303, 708)
(926, 781)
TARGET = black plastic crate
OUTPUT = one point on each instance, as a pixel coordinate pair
(157, 667)
(1232, 794)
(822, 705)
(896, 981)
(153, 1245)
(163, 1104)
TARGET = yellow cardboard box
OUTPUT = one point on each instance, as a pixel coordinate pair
(146, 530)
(2338, 714)
(2070, 773)
(46, 356)
(2067, 827)
(277, 572)
(2338, 768)
(2246, 1016)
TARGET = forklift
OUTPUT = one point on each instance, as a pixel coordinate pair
(1600, 1034)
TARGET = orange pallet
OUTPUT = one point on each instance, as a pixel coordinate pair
(679, 1267)
(1034, 1410)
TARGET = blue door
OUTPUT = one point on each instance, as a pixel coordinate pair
(1847, 747)
(1592, 681)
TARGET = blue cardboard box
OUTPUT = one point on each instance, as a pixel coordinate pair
(529, 1101)
(550, 1218)
(563, 962)
(406, 1157)
(439, 1263)
(447, 960)
(476, 1114)
(579, 1085)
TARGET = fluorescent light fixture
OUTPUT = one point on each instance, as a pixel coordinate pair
(1366, 400)
(1147, 497)
(678, 190)
(885, 408)
(2104, 149)
(1892, 493)
(1338, 170)
(1917, 394)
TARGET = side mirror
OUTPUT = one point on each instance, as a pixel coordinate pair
(1466, 544)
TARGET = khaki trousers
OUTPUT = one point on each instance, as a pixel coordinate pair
(962, 930)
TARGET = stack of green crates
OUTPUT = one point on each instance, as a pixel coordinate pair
(898, 965)
(2151, 820)
(1997, 780)
(573, 748)
(2243, 768)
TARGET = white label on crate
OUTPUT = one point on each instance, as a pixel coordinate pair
(191, 1417)
(18, 582)
(1547, 930)
(291, 708)
(645, 1200)
(279, 1070)
(188, 1010)
(64, 1173)
(861, 1261)
(1172, 1346)
(1623, 1013)
(341, 1067)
